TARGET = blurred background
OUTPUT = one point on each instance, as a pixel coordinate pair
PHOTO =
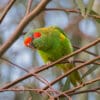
(80, 31)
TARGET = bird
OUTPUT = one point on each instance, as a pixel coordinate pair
(51, 43)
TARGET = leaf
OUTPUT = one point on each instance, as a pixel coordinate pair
(92, 69)
(81, 6)
(65, 87)
(35, 96)
(89, 6)
(94, 13)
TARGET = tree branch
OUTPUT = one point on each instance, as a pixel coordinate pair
(71, 10)
(6, 10)
(85, 91)
(29, 6)
(93, 54)
(17, 33)
(71, 70)
(44, 67)
(72, 91)
(41, 79)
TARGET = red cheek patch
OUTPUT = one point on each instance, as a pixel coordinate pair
(36, 35)
(27, 41)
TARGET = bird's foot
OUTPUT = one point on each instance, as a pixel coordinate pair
(70, 60)
(48, 63)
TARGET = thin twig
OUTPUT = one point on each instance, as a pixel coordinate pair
(62, 9)
(33, 74)
(95, 16)
(40, 78)
(6, 10)
(71, 70)
(71, 10)
(46, 92)
(85, 91)
(72, 91)
(78, 61)
(18, 89)
(93, 54)
(18, 31)
(36, 90)
(69, 55)
(18, 66)
(44, 67)
(29, 6)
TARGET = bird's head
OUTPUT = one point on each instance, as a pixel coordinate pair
(41, 39)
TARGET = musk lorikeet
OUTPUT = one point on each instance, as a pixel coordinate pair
(52, 44)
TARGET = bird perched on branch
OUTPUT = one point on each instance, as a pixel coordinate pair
(52, 44)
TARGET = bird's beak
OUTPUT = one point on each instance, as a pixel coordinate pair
(32, 46)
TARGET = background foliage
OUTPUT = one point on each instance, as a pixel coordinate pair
(80, 28)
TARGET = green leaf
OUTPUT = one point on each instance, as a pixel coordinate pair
(94, 13)
(66, 85)
(90, 70)
(35, 96)
(89, 6)
(81, 6)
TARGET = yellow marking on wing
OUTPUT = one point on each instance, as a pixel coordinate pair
(62, 36)
(44, 29)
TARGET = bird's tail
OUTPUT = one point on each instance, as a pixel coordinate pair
(74, 76)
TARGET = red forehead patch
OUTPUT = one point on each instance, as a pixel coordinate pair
(27, 41)
(36, 34)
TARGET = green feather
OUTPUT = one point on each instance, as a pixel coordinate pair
(52, 45)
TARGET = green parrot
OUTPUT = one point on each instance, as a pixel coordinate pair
(52, 44)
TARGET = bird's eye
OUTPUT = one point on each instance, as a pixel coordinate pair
(36, 35)
(28, 41)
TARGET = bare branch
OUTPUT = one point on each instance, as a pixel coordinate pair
(29, 6)
(6, 10)
(62, 9)
(44, 67)
(72, 91)
(72, 70)
(93, 54)
(85, 91)
(51, 92)
(71, 10)
(41, 79)
(84, 84)
(18, 31)
(46, 92)
(20, 67)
